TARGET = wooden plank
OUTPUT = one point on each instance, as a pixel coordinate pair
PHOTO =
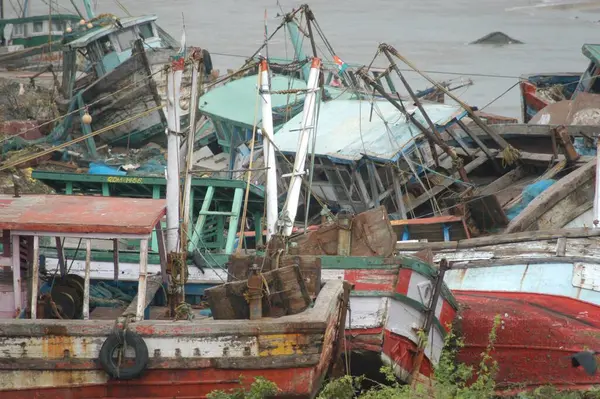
(162, 252)
(502, 182)
(16, 272)
(499, 239)
(524, 261)
(116, 258)
(521, 129)
(474, 164)
(153, 284)
(86, 279)
(35, 275)
(538, 159)
(468, 132)
(142, 284)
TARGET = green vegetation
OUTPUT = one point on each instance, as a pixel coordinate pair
(452, 381)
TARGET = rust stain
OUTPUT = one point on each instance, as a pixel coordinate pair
(55, 347)
(523, 276)
(280, 344)
(56, 330)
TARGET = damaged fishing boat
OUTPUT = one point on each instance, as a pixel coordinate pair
(34, 41)
(540, 90)
(49, 355)
(296, 346)
(107, 62)
(542, 286)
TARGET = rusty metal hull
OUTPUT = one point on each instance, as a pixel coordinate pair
(51, 359)
(534, 341)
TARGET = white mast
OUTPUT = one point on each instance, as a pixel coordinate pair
(173, 130)
(187, 188)
(596, 220)
(268, 150)
(308, 126)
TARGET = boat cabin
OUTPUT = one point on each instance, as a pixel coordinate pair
(27, 220)
(215, 204)
(36, 30)
(110, 41)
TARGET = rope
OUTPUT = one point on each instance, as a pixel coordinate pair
(247, 193)
(79, 139)
(183, 311)
(289, 91)
(510, 155)
(120, 334)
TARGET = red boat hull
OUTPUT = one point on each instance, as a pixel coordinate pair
(534, 341)
(170, 384)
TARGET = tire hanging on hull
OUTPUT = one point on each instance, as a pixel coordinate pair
(113, 345)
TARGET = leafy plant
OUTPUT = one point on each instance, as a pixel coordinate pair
(261, 388)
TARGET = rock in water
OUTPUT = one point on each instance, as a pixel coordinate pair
(497, 39)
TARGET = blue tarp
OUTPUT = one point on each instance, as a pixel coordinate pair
(530, 192)
(102, 169)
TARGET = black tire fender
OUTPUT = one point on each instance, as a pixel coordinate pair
(112, 344)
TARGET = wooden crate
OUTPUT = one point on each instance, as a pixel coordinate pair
(310, 267)
(286, 295)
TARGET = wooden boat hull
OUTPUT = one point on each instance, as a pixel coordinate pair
(561, 203)
(532, 87)
(534, 341)
(544, 286)
(51, 359)
(165, 384)
(386, 304)
(387, 311)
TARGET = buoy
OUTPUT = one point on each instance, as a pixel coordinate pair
(86, 118)
(89, 25)
(82, 22)
(69, 30)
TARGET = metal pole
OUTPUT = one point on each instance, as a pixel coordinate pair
(308, 121)
(268, 150)
(437, 291)
(419, 125)
(185, 219)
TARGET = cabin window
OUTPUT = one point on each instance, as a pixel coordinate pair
(18, 29)
(105, 45)
(146, 30)
(126, 39)
(38, 27)
(57, 26)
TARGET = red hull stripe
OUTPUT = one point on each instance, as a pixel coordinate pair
(176, 384)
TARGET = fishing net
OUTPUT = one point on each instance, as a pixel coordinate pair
(530, 192)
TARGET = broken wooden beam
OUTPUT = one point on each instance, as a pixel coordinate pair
(153, 284)
(498, 239)
(502, 182)
(521, 129)
(477, 162)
